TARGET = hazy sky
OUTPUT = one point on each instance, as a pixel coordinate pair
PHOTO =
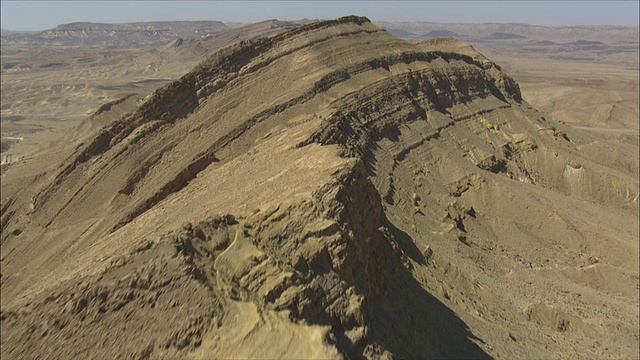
(40, 15)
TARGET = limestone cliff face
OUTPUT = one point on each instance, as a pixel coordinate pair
(330, 191)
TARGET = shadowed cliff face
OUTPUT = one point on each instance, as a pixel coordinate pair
(328, 191)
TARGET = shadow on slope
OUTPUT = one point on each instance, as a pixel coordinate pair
(413, 324)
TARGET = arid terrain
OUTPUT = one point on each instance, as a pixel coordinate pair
(50, 84)
(52, 80)
(320, 189)
(584, 75)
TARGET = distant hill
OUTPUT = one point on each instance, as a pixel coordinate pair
(163, 32)
(504, 36)
(195, 49)
(401, 33)
(586, 42)
(440, 33)
(6, 32)
(125, 34)
(563, 34)
(543, 42)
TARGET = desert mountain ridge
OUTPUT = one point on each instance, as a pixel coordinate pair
(121, 34)
(505, 31)
(157, 32)
(329, 191)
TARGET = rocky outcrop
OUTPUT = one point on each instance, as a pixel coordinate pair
(322, 260)
(375, 112)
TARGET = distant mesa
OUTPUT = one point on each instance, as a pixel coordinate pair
(543, 42)
(504, 36)
(285, 24)
(585, 45)
(511, 32)
(586, 42)
(6, 32)
(152, 25)
(441, 33)
(125, 34)
(400, 33)
(578, 45)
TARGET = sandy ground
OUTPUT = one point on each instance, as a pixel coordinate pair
(599, 94)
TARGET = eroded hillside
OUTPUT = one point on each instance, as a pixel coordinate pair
(50, 86)
(330, 191)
